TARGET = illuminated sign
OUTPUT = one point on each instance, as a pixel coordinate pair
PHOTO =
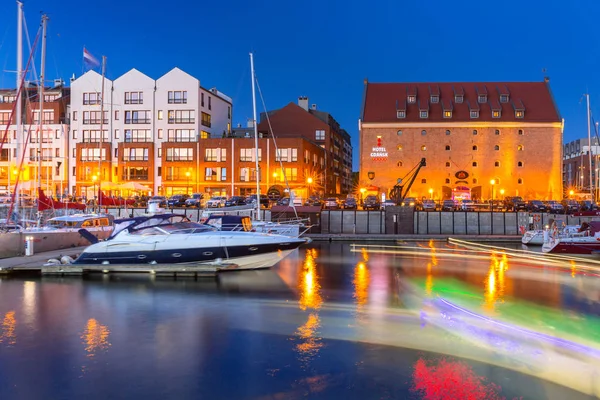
(379, 153)
(461, 175)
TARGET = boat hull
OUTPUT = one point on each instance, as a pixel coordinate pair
(535, 238)
(590, 246)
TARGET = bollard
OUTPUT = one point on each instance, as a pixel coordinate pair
(28, 245)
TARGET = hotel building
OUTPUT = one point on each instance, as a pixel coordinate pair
(471, 134)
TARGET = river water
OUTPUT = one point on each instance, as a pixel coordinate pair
(410, 320)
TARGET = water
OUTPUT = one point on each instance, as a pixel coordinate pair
(383, 323)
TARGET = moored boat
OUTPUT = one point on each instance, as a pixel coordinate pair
(535, 237)
(585, 241)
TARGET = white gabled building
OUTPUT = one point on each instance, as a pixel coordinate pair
(153, 130)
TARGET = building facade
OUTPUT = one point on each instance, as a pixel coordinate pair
(148, 127)
(20, 154)
(480, 140)
(576, 165)
(319, 127)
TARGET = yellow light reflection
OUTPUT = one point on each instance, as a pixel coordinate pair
(9, 324)
(311, 342)
(361, 284)
(308, 284)
(365, 254)
(95, 337)
(434, 260)
(573, 268)
(429, 281)
(495, 282)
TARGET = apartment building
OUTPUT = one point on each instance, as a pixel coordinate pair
(20, 156)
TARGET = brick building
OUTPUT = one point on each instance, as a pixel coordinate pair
(576, 165)
(300, 121)
(470, 134)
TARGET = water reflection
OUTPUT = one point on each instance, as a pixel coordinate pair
(29, 301)
(95, 337)
(495, 282)
(310, 299)
(9, 324)
(361, 284)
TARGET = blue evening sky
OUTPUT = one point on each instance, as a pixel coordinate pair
(324, 49)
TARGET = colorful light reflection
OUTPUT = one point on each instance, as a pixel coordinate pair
(9, 324)
(95, 337)
(495, 283)
(310, 299)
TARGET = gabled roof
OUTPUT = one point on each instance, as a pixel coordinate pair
(382, 100)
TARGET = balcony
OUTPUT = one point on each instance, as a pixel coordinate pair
(183, 121)
(134, 101)
(138, 140)
(177, 101)
(94, 121)
(125, 177)
(137, 120)
(180, 158)
(135, 158)
(44, 158)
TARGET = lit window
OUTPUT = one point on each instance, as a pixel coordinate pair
(423, 132)
(399, 163)
(447, 147)
(160, 114)
(399, 133)
(520, 131)
(447, 164)
(519, 114)
(474, 132)
(447, 180)
(520, 181)
(447, 114)
(497, 131)
(497, 164)
(424, 148)
(424, 113)
(496, 147)
(520, 164)
(474, 148)
(435, 98)
(399, 147)
(474, 163)
(496, 114)
(503, 98)
(474, 113)
(412, 99)
(482, 98)
(401, 113)
(423, 180)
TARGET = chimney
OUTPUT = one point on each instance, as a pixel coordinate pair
(313, 107)
(546, 79)
(303, 102)
(72, 78)
(250, 123)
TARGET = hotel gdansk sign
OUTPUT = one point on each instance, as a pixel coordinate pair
(379, 153)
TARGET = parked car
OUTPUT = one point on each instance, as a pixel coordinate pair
(195, 200)
(514, 203)
(409, 202)
(428, 205)
(216, 202)
(554, 207)
(536, 206)
(177, 200)
(388, 203)
(313, 202)
(331, 203)
(371, 203)
(467, 205)
(448, 205)
(588, 205)
(264, 200)
(284, 201)
(160, 201)
(571, 206)
(350, 204)
(235, 201)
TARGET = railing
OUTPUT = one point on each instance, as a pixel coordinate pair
(134, 177)
(94, 121)
(137, 120)
(183, 121)
(135, 158)
(146, 139)
(134, 101)
(177, 101)
(180, 158)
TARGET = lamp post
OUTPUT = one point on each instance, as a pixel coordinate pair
(430, 193)
(187, 174)
(309, 181)
(362, 194)
(94, 178)
(492, 182)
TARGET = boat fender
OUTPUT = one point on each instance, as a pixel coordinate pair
(66, 260)
(51, 262)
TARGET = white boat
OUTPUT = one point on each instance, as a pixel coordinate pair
(585, 241)
(535, 237)
(57, 233)
(174, 239)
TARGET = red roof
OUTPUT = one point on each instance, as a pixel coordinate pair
(534, 97)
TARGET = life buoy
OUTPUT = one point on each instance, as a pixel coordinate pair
(536, 218)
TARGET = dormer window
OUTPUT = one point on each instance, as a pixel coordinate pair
(458, 98)
(482, 98)
(412, 99)
(474, 113)
(435, 98)
(496, 113)
(424, 113)
(519, 109)
(519, 113)
(447, 114)
(503, 98)
(401, 114)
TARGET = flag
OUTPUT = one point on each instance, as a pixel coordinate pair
(89, 60)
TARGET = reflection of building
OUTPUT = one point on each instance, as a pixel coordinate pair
(576, 164)
(469, 133)
(333, 173)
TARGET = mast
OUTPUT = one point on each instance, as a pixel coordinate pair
(101, 130)
(19, 109)
(590, 147)
(255, 139)
(41, 94)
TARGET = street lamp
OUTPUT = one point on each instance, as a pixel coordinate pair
(571, 193)
(187, 174)
(492, 182)
(430, 193)
(309, 181)
(362, 194)
(94, 178)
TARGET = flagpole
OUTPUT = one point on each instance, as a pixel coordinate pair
(101, 132)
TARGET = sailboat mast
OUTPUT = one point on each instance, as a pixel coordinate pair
(41, 94)
(101, 130)
(255, 139)
(19, 109)
(590, 147)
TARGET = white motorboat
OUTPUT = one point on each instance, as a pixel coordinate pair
(585, 241)
(174, 239)
(535, 237)
(57, 233)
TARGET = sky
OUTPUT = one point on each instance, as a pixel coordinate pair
(325, 49)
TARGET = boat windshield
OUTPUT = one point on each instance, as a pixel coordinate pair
(174, 229)
(62, 223)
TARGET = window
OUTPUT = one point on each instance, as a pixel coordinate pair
(181, 154)
(447, 114)
(116, 115)
(209, 105)
(496, 147)
(447, 180)
(94, 136)
(177, 97)
(412, 99)
(399, 147)
(116, 152)
(216, 155)
(474, 163)
(75, 153)
(117, 135)
(74, 115)
(320, 135)
(482, 98)
(503, 98)
(519, 114)
(520, 147)
(497, 164)
(474, 113)
(247, 155)
(48, 117)
(185, 117)
(399, 164)
(136, 154)
(423, 132)
(399, 133)
(423, 180)
(137, 135)
(228, 112)
(159, 172)
(520, 181)
(497, 132)
(160, 133)
(93, 117)
(92, 154)
(223, 174)
(424, 113)
(134, 97)
(474, 148)
(204, 135)
(159, 152)
(181, 135)
(56, 153)
(447, 147)
(520, 131)
(474, 132)
(160, 114)
(137, 117)
(448, 132)
(202, 99)
(287, 155)
(458, 98)
(400, 113)
(474, 180)
(435, 98)
(520, 164)
(424, 148)
(135, 174)
(496, 113)
(447, 163)
(91, 98)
